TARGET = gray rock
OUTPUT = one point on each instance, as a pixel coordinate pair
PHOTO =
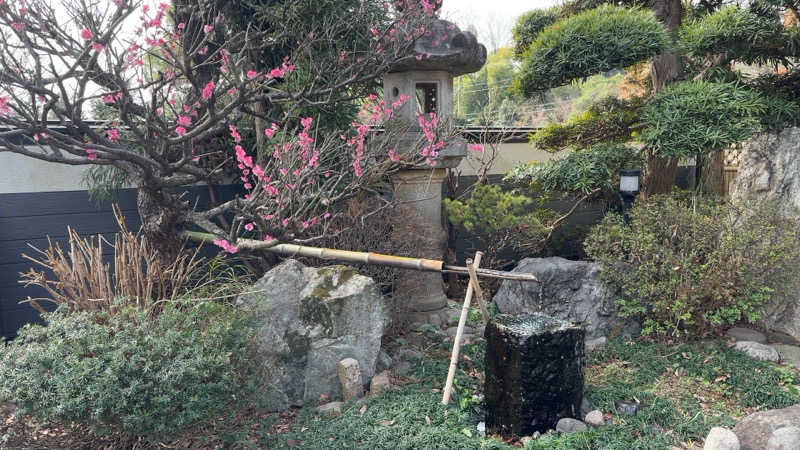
(776, 337)
(451, 316)
(758, 351)
(746, 334)
(594, 343)
(481, 428)
(789, 353)
(308, 320)
(350, 379)
(384, 362)
(627, 408)
(585, 407)
(787, 438)
(755, 430)
(721, 439)
(407, 354)
(451, 332)
(568, 290)
(402, 368)
(594, 419)
(379, 382)
(331, 409)
(567, 425)
(770, 169)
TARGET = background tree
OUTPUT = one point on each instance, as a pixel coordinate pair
(694, 103)
(178, 85)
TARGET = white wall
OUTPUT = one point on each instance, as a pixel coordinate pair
(509, 156)
(20, 173)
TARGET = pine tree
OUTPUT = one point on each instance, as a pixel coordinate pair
(696, 102)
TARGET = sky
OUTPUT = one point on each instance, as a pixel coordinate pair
(492, 19)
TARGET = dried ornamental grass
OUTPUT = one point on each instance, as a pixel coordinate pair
(82, 280)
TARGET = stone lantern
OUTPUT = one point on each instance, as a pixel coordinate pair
(427, 79)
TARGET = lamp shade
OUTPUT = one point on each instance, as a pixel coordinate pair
(629, 180)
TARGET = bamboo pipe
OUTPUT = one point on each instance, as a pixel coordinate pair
(331, 254)
(462, 320)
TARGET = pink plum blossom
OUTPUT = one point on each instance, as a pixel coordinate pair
(86, 34)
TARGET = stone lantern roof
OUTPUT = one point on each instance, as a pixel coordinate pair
(444, 47)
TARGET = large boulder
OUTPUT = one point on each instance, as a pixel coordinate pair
(755, 430)
(770, 169)
(308, 320)
(568, 290)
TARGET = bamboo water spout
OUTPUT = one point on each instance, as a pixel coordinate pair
(332, 254)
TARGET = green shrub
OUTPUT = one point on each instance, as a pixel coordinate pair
(734, 33)
(693, 117)
(130, 374)
(529, 25)
(502, 219)
(692, 270)
(606, 121)
(579, 171)
(590, 42)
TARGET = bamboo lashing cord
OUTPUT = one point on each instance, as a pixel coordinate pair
(448, 386)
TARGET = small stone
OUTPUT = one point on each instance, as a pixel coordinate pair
(585, 407)
(777, 337)
(594, 343)
(481, 428)
(332, 409)
(567, 425)
(383, 362)
(721, 439)
(788, 353)
(746, 334)
(466, 338)
(525, 439)
(451, 332)
(758, 351)
(536, 435)
(595, 419)
(402, 368)
(350, 378)
(627, 408)
(451, 316)
(786, 438)
(407, 354)
(379, 382)
(756, 429)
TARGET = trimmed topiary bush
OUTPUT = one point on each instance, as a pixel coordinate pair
(142, 377)
(700, 116)
(688, 269)
(593, 41)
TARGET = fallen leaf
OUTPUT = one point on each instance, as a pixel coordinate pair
(363, 409)
(385, 422)
(427, 420)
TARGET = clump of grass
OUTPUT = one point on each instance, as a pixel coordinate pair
(682, 391)
(411, 418)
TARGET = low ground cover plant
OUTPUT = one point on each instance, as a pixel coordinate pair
(129, 373)
(689, 268)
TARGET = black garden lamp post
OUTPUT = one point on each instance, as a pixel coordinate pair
(628, 189)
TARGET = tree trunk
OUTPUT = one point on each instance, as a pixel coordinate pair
(714, 174)
(163, 218)
(659, 173)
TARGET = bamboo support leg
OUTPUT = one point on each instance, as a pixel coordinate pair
(473, 278)
(448, 386)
